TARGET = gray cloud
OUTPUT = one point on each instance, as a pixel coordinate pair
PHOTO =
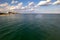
(56, 2)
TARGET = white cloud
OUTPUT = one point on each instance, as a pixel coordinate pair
(18, 6)
(56, 2)
(14, 2)
(48, 0)
(31, 4)
(4, 7)
(4, 4)
(27, 8)
(1, 9)
(41, 3)
(23, 8)
(12, 7)
(31, 7)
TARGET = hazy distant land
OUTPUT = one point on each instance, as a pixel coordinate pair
(7, 14)
(12, 13)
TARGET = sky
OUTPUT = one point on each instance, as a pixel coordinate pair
(30, 6)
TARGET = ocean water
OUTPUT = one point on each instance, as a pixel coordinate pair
(30, 27)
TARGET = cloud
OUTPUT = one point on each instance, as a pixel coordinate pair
(28, 7)
(4, 7)
(31, 4)
(48, 11)
(31, 7)
(48, 0)
(25, 7)
(43, 3)
(12, 7)
(4, 4)
(18, 6)
(56, 2)
(1, 9)
(14, 2)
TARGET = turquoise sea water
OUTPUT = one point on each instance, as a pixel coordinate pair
(30, 27)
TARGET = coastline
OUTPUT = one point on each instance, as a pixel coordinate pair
(7, 14)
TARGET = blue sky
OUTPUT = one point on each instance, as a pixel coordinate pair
(24, 1)
(43, 6)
